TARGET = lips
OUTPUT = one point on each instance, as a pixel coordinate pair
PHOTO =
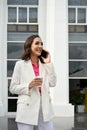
(38, 50)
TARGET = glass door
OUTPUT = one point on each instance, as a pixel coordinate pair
(77, 24)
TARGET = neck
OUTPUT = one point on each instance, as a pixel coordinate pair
(34, 59)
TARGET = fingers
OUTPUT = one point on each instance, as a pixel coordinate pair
(38, 81)
(35, 82)
(47, 59)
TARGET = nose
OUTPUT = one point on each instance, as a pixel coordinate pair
(40, 45)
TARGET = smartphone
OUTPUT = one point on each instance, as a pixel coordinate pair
(44, 53)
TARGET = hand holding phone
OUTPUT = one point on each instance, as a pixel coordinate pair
(46, 56)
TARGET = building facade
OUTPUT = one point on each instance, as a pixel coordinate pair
(20, 19)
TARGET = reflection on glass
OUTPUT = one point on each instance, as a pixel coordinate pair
(22, 14)
(12, 103)
(77, 36)
(33, 28)
(78, 33)
(71, 13)
(74, 84)
(10, 67)
(21, 32)
(78, 68)
(11, 28)
(9, 94)
(77, 2)
(22, 28)
(81, 15)
(12, 14)
(77, 91)
(77, 28)
(22, 2)
(78, 51)
(71, 29)
(81, 29)
(33, 15)
(77, 84)
(14, 50)
(19, 36)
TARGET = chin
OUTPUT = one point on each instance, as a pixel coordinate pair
(38, 54)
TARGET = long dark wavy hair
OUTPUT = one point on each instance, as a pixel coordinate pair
(27, 48)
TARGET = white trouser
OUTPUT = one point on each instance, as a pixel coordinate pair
(41, 124)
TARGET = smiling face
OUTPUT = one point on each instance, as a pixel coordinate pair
(36, 47)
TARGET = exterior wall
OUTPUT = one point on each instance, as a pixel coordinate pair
(57, 42)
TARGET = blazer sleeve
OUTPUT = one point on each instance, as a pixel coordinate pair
(51, 74)
(15, 86)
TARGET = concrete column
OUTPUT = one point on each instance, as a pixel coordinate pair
(3, 53)
(42, 20)
(57, 39)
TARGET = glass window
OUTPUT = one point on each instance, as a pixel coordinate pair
(33, 28)
(78, 33)
(22, 28)
(81, 15)
(19, 36)
(21, 32)
(11, 28)
(12, 14)
(9, 94)
(74, 84)
(71, 15)
(78, 68)
(77, 28)
(10, 67)
(14, 50)
(77, 37)
(22, 2)
(77, 2)
(33, 15)
(12, 103)
(72, 29)
(77, 84)
(78, 50)
(77, 91)
(22, 14)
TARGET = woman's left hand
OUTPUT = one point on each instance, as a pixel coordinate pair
(47, 59)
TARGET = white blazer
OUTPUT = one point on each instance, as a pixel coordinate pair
(28, 103)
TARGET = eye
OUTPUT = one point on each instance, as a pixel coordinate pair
(37, 43)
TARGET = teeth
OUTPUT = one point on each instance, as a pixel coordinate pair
(38, 50)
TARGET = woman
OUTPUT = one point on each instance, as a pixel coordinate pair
(34, 103)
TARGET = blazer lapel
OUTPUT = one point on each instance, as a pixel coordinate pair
(41, 70)
(30, 69)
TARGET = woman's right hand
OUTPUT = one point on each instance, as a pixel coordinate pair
(35, 82)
